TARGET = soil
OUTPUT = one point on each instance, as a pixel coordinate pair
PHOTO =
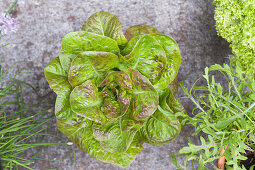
(250, 161)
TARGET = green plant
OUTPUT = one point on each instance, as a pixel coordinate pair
(19, 124)
(235, 22)
(112, 92)
(225, 114)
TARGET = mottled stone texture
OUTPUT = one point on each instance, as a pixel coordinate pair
(42, 25)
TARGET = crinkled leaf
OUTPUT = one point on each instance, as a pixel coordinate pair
(168, 100)
(57, 79)
(111, 108)
(144, 97)
(134, 33)
(137, 30)
(117, 79)
(116, 136)
(130, 46)
(116, 87)
(106, 24)
(56, 76)
(173, 61)
(63, 110)
(86, 101)
(148, 57)
(161, 128)
(156, 56)
(90, 65)
(76, 42)
(81, 133)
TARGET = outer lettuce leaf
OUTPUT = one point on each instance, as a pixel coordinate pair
(174, 85)
(172, 103)
(118, 135)
(162, 127)
(90, 65)
(81, 133)
(156, 56)
(106, 24)
(173, 60)
(148, 57)
(137, 30)
(76, 42)
(56, 77)
(63, 109)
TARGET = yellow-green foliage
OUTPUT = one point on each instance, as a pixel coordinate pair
(235, 21)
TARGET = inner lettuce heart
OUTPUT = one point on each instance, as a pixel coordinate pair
(116, 91)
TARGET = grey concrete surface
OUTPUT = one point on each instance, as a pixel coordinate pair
(43, 23)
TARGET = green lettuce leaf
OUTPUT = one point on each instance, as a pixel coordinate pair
(85, 101)
(58, 81)
(137, 30)
(106, 24)
(90, 65)
(163, 126)
(148, 57)
(56, 77)
(63, 109)
(82, 134)
(118, 135)
(156, 56)
(76, 42)
(144, 97)
(173, 62)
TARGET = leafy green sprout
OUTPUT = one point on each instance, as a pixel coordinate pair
(225, 116)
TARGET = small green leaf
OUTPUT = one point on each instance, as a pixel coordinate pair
(63, 110)
(174, 160)
(173, 61)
